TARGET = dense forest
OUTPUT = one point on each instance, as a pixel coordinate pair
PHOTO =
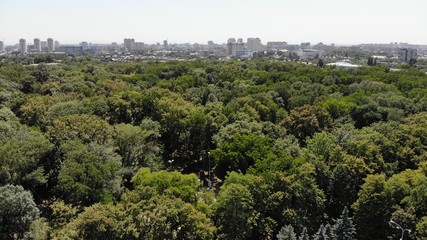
(206, 149)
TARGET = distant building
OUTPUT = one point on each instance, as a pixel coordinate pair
(254, 44)
(114, 46)
(50, 45)
(406, 54)
(57, 45)
(305, 45)
(165, 44)
(233, 46)
(22, 46)
(243, 54)
(276, 45)
(138, 46)
(309, 53)
(43, 45)
(71, 49)
(231, 42)
(1, 46)
(85, 46)
(37, 45)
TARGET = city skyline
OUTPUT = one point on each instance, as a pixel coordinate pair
(330, 21)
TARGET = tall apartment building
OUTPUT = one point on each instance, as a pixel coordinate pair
(50, 45)
(1, 46)
(129, 44)
(233, 46)
(22, 46)
(406, 54)
(37, 45)
(254, 44)
(231, 42)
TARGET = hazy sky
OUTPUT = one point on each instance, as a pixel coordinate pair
(151, 21)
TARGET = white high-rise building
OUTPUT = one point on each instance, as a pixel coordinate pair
(37, 45)
(22, 46)
(254, 44)
(50, 45)
(1, 46)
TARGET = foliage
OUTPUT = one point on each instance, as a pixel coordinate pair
(120, 149)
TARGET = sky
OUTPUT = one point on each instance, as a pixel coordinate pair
(342, 22)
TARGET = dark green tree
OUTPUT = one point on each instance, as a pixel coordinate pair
(321, 234)
(320, 63)
(286, 233)
(371, 210)
(235, 212)
(304, 235)
(344, 228)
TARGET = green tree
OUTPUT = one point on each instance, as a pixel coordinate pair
(162, 217)
(173, 184)
(371, 209)
(240, 153)
(88, 173)
(138, 146)
(17, 211)
(421, 230)
(95, 222)
(305, 121)
(24, 155)
(86, 128)
(234, 212)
